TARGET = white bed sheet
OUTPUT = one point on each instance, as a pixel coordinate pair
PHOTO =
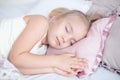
(14, 11)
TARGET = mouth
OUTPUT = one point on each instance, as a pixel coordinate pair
(57, 41)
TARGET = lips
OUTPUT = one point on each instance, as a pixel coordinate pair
(57, 41)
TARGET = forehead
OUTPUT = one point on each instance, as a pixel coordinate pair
(77, 26)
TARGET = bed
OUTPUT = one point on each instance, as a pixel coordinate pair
(90, 7)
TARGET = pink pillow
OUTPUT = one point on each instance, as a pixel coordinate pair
(90, 47)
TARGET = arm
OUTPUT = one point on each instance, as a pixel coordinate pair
(36, 71)
(45, 70)
(20, 54)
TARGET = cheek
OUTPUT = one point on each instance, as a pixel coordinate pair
(65, 45)
(83, 35)
(51, 40)
(80, 35)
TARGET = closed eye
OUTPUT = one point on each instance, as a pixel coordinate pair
(72, 42)
(68, 28)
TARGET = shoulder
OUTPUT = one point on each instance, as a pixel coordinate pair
(37, 21)
(34, 17)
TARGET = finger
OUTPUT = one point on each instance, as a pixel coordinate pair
(84, 62)
(70, 54)
(84, 65)
(61, 72)
(79, 60)
(77, 70)
(80, 65)
(71, 71)
(77, 65)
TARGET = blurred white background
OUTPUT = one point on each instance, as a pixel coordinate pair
(15, 2)
(14, 8)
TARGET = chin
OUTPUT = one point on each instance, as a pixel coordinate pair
(58, 47)
(52, 44)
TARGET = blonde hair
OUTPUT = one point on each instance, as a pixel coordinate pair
(57, 12)
(64, 12)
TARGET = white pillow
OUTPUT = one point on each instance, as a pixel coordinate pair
(44, 7)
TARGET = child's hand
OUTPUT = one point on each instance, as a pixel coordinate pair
(61, 72)
(65, 73)
(68, 63)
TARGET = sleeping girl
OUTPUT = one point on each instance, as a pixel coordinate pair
(22, 38)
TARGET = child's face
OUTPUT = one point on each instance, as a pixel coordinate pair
(64, 32)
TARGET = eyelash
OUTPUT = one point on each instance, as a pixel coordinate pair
(71, 43)
(66, 29)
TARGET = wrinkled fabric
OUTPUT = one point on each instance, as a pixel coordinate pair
(90, 47)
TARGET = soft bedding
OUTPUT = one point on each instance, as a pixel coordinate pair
(6, 68)
(91, 47)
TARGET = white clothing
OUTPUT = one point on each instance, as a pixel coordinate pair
(10, 29)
